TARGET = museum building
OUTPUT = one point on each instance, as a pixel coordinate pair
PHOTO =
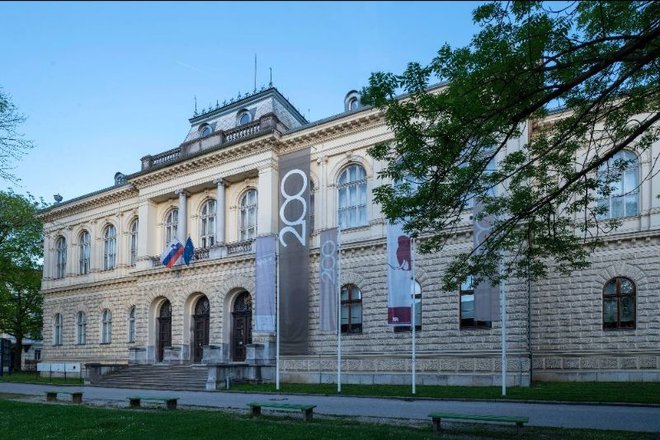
(110, 302)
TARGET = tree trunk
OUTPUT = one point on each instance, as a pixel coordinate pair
(17, 352)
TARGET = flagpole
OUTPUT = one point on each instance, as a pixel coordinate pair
(503, 319)
(413, 310)
(277, 317)
(338, 291)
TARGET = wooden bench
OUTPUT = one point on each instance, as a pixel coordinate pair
(437, 417)
(76, 396)
(170, 402)
(307, 410)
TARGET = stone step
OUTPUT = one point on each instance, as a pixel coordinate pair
(167, 377)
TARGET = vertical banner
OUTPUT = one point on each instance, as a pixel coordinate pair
(399, 275)
(265, 284)
(328, 282)
(486, 296)
(293, 240)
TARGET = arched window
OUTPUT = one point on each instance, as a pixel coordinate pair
(106, 327)
(81, 324)
(109, 247)
(60, 269)
(207, 230)
(171, 224)
(57, 330)
(623, 198)
(206, 130)
(418, 311)
(244, 118)
(466, 306)
(248, 221)
(352, 188)
(619, 304)
(351, 309)
(85, 252)
(131, 324)
(133, 230)
(353, 104)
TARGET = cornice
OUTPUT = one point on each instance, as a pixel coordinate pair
(206, 160)
(331, 130)
(85, 287)
(89, 202)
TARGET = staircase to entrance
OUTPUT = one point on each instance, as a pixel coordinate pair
(157, 377)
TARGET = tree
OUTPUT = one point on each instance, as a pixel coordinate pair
(582, 77)
(21, 252)
(12, 144)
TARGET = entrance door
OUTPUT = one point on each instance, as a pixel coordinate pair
(200, 328)
(242, 326)
(164, 329)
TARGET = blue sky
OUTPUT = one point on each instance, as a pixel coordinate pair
(103, 84)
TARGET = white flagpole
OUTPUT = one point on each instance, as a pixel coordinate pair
(338, 291)
(277, 317)
(413, 310)
(503, 319)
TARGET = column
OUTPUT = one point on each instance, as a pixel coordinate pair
(147, 225)
(182, 220)
(220, 212)
(267, 201)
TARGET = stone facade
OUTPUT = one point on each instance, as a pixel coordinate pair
(554, 327)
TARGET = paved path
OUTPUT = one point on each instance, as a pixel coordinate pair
(615, 417)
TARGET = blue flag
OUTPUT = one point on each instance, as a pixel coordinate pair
(188, 251)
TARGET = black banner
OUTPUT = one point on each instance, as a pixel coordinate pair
(294, 252)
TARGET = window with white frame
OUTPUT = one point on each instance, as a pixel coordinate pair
(81, 323)
(106, 327)
(109, 247)
(352, 187)
(57, 330)
(85, 252)
(133, 231)
(131, 324)
(248, 220)
(207, 229)
(60, 269)
(621, 173)
(171, 224)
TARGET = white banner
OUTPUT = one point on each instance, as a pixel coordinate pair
(399, 275)
(328, 282)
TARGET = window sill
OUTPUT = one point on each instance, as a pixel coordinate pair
(105, 343)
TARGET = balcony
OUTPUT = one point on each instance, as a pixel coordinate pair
(218, 139)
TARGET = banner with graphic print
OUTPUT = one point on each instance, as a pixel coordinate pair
(328, 280)
(265, 284)
(293, 242)
(486, 296)
(399, 275)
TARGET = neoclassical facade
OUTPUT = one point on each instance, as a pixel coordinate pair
(108, 299)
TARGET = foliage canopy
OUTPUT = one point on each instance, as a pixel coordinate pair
(523, 123)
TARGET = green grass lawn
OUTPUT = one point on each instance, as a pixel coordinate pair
(600, 392)
(23, 420)
(23, 377)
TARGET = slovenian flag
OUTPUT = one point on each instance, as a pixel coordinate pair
(172, 254)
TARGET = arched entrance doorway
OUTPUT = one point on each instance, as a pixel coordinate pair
(200, 328)
(241, 332)
(164, 329)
